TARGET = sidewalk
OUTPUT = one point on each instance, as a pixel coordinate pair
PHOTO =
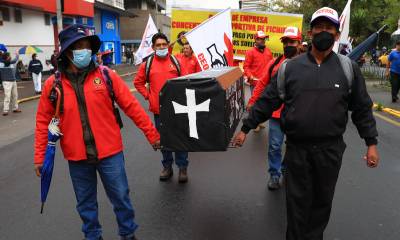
(381, 95)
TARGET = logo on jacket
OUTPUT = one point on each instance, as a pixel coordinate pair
(97, 81)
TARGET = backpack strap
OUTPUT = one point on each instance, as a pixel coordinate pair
(176, 63)
(271, 68)
(53, 93)
(281, 82)
(106, 77)
(347, 67)
(149, 61)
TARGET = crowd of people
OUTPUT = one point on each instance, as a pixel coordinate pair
(305, 94)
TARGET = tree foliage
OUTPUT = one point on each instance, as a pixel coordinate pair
(367, 16)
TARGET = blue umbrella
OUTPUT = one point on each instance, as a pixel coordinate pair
(53, 135)
(365, 46)
(3, 47)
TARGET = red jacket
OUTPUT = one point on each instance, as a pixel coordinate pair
(189, 65)
(262, 84)
(101, 117)
(161, 70)
(255, 63)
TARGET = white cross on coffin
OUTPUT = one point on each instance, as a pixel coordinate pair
(191, 110)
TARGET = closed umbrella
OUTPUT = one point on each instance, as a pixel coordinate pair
(3, 47)
(53, 135)
(365, 46)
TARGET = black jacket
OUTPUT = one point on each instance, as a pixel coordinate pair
(35, 66)
(317, 102)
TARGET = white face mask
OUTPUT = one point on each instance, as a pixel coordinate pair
(162, 52)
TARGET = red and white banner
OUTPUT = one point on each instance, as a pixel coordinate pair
(211, 41)
(145, 48)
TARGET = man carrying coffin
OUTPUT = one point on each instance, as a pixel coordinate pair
(318, 89)
(158, 68)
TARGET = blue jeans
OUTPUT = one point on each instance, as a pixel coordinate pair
(113, 176)
(181, 158)
(276, 137)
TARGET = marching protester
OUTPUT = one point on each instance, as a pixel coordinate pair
(9, 82)
(36, 68)
(318, 89)
(188, 61)
(291, 41)
(158, 68)
(304, 47)
(256, 62)
(91, 140)
(393, 70)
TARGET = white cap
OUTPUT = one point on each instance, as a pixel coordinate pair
(328, 13)
(260, 34)
(292, 33)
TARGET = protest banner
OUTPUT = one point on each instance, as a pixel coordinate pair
(244, 26)
(145, 48)
(217, 49)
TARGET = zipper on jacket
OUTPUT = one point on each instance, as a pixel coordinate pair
(82, 102)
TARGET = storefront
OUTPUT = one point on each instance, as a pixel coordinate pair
(109, 33)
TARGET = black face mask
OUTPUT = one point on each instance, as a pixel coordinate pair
(261, 47)
(323, 41)
(289, 51)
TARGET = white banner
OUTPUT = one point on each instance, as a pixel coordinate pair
(344, 27)
(211, 41)
(145, 48)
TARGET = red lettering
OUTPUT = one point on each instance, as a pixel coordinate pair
(203, 61)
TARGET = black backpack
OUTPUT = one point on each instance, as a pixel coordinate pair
(149, 61)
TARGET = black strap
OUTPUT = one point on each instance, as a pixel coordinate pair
(53, 94)
(149, 61)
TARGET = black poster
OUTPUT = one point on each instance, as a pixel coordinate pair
(197, 114)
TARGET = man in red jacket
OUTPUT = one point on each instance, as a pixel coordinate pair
(91, 140)
(163, 67)
(188, 61)
(256, 62)
(291, 41)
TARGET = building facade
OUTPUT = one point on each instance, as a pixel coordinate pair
(132, 29)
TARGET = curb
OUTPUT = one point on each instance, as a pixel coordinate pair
(38, 96)
(390, 111)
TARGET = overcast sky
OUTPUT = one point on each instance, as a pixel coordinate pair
(210, 4)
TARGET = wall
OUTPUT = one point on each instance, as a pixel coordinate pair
(32, 31)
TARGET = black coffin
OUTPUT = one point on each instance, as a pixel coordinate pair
(214, 100)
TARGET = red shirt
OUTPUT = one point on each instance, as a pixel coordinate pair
(263, 82)
(161, 70)
(256, 63)
(101, 117)
(189, 65)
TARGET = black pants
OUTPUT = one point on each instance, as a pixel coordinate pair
(395, 83)
(311, 174)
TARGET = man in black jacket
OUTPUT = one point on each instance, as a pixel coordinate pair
(36, 68)
(317, 94)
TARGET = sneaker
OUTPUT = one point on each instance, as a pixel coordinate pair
(17, 111)
(5, 113)
(262, 125)
(273, 183)
(257, 129)
(166, 174)
(129, 238)
(183, 177)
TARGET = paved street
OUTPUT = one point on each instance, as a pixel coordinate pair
(225, 199)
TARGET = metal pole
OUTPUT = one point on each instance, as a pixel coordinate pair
(59, 16)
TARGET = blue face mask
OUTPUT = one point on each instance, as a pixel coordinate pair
(162, 52)
(81, 58)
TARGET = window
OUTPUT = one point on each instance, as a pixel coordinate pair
(5, 12)
(47, 19)
(18, 15)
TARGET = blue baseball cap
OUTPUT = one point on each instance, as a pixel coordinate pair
(76, 32)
